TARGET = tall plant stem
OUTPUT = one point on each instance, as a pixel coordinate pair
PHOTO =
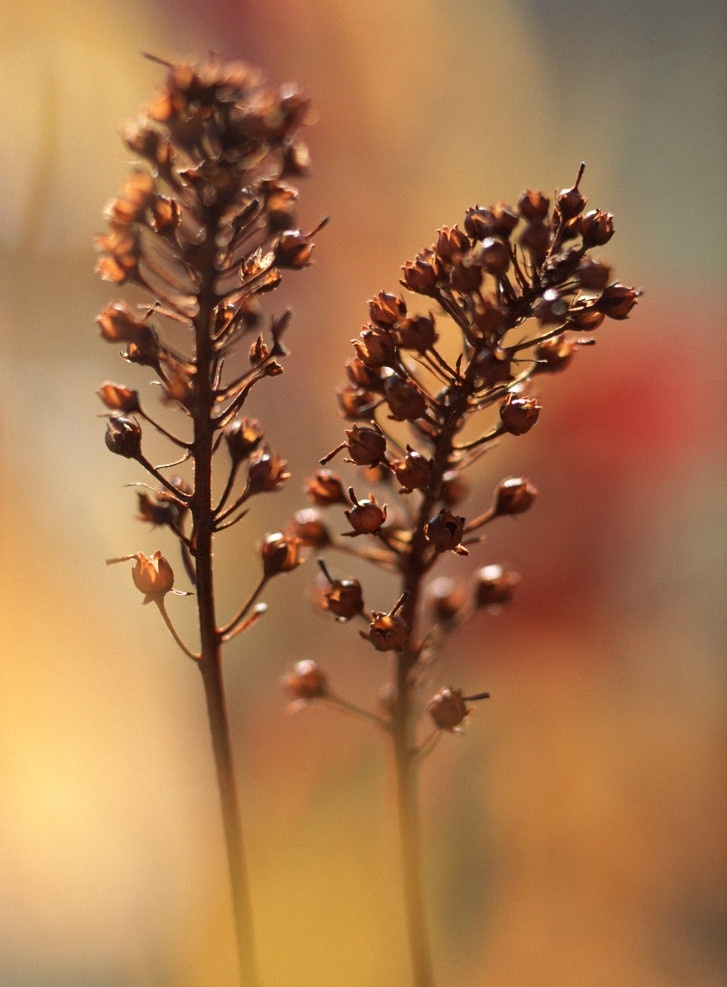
(210, 635)
(237, 864)
(406, 752)
(406, 773)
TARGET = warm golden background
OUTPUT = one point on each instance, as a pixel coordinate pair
(576, 835)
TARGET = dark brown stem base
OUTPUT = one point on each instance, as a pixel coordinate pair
(242, 907)
(406, 772)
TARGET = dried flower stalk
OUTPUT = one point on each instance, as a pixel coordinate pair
(511, 295)
(205, 225)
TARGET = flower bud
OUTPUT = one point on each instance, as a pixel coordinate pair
(445, 531)
(354, 402)
(416, 333)
(306, 681)
(519, 414)
(366, 446)
(596, 228)
(293, 250)
(325, 488)
(495, 256)
(376, 347)
(119, 398)
(166, 214)
(505, 218)
(585, 319)
(405, 401)
(514, 495)
(533, 205)
(617, 300)
(554, 355)
(387, 632)
(535, 238)
(362, 375)
(422, 274)
(386, 309)
(366, 517)
(448, 709)
(118, 325)
(158, 510)
(123, 437)
(344, 599)
(266, 472)
(454, 488)
(279, 553)
(479, 222)
(153, 576)
(414, 472)
(308, 527)
(467, 272)
(494, 587)
(570, 201)
(280, 201)
(450, 243)
(593, 274)
(445, 599)
(243, 436)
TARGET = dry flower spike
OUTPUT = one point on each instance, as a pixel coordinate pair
(205, 226)
(507, 296)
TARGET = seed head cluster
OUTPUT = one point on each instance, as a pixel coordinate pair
(205, 225)
(509, 294)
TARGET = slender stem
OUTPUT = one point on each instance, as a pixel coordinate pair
(406, 774)
(210, 636)
(405, 751)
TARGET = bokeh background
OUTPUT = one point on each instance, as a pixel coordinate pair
(576, 834)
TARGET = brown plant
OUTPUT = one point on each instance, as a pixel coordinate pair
(510, 296)
(205, 226)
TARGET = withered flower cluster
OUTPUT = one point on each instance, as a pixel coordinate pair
(204, 227)
(511, 294)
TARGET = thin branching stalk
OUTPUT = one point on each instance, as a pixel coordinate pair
(205, 224)
(518, 303)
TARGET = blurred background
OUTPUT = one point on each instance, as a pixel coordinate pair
(576, 834)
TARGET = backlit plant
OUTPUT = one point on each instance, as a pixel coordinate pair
(509, 295)
(203, 228)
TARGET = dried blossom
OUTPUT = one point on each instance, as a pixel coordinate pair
(204, 227)
(306, 681)
(508, 288)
